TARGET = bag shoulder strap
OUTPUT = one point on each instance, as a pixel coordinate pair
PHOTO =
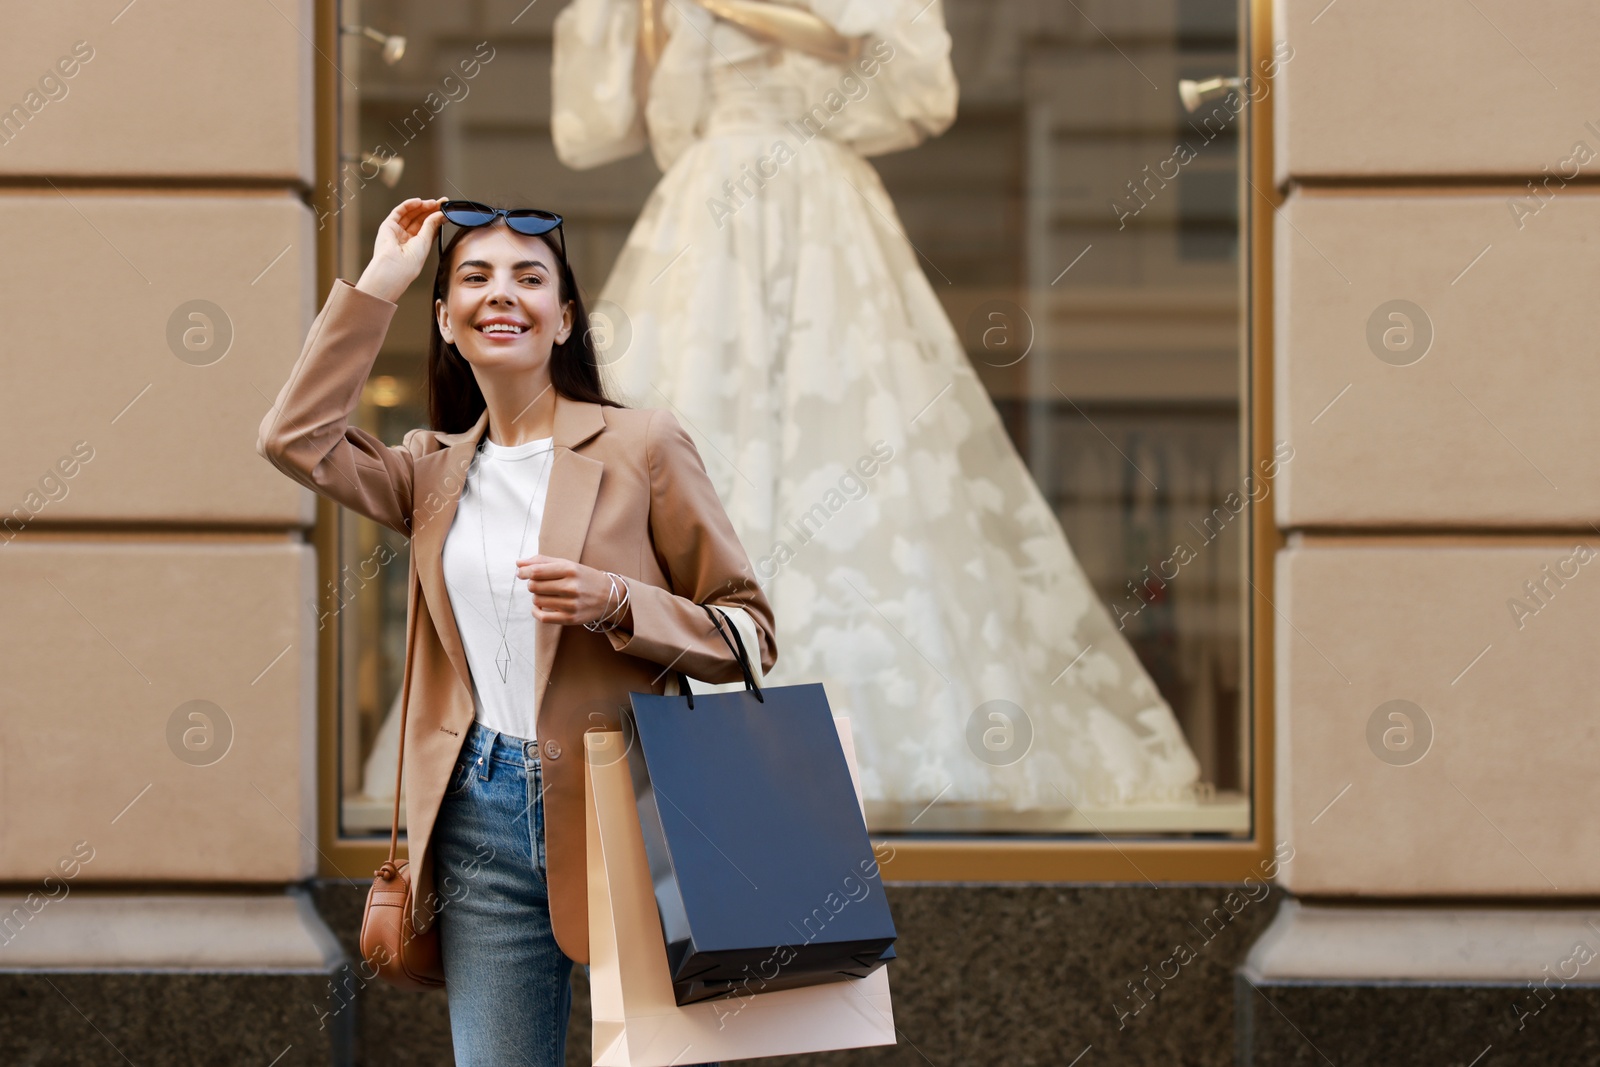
(400, 756)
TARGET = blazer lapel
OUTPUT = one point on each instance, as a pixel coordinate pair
(574, 485)
(440, 478)
(569, 503)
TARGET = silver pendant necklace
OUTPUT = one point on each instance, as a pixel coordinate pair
(502, 656)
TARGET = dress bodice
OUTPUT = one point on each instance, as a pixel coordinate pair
(713, 78)
(757, 94)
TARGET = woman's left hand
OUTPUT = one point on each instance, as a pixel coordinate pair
(566, 592)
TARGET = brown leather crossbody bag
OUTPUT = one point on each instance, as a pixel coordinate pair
(400, 956)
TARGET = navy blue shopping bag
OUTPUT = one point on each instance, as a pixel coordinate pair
(764, 875)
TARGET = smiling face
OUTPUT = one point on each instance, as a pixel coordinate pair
(502, 307)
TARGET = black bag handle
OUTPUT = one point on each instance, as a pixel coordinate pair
(718, 617)
(736, 646)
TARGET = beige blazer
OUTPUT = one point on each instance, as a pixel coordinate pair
(628, 493)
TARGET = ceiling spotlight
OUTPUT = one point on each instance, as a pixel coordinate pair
(1194, 93)
(389, 170)
(393, 46)
(385, 391)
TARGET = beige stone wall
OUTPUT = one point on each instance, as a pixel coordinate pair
(159, 676)
(157, 156)
(1435, 338)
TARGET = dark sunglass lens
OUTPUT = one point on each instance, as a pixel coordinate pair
(531, 227)
(532, 223)
(466, 216)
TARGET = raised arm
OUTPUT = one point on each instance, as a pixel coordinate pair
(599, 79)
(307, 433)
(787, 25)
(705, 564)
(905, 57)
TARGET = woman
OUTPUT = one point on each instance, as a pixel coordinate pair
(562, 547)
(775, 304)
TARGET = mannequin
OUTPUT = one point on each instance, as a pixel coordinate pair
(775, 304)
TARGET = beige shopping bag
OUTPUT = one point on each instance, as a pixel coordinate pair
(637, 1022)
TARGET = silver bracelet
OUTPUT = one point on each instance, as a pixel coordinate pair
(610, 618)
(616, 617)
(598, 625)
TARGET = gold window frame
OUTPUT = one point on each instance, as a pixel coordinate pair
(913, 858)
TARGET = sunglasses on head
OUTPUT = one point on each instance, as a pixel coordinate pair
(530, 222)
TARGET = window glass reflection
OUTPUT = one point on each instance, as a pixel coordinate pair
(955, 325)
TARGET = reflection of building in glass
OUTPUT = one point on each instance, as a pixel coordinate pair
(1125, 404)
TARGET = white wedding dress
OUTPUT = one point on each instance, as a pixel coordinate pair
(788, 324)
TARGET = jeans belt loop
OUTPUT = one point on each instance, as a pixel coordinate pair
(486, 755)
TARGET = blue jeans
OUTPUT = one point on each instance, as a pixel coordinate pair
(507, 980)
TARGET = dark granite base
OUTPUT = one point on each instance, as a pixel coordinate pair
(392, 1026)
(157, 1019)
(1017, 975)
(1401, 1024)
(1036, 975)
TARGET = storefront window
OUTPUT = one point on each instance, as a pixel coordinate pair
(957, 332)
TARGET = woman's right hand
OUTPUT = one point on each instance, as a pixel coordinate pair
(404, 240)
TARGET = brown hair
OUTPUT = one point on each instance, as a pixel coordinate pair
(454, 399)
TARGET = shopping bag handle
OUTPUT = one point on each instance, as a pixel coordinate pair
(736, 646)
(724, 625)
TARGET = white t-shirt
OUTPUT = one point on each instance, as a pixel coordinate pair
(499, 512)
